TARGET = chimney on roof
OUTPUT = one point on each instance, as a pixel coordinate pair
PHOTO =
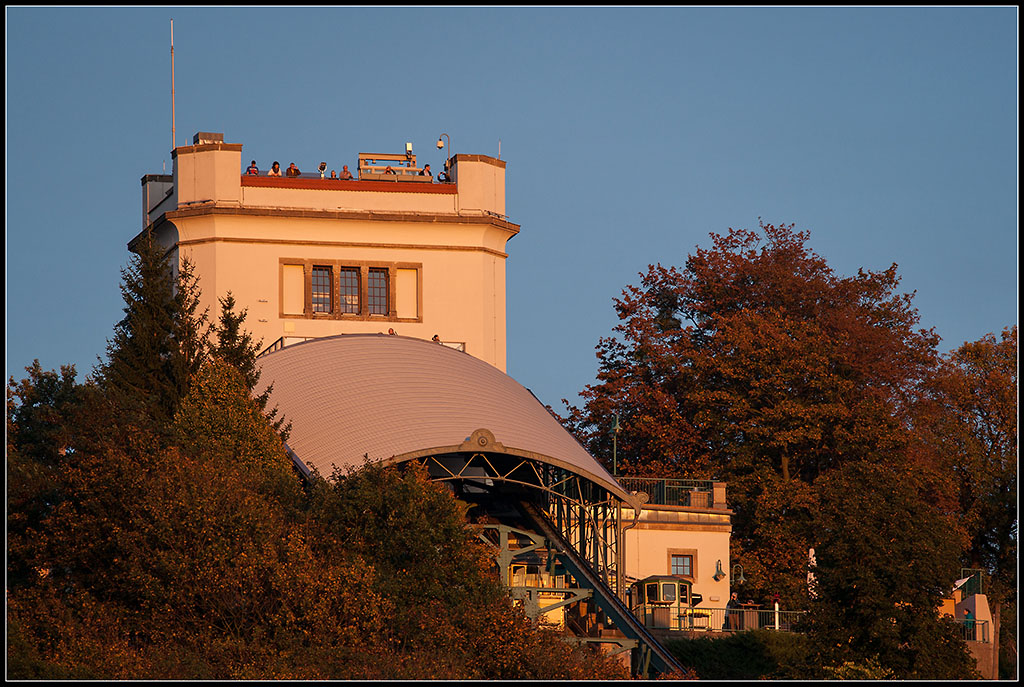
(207, 137)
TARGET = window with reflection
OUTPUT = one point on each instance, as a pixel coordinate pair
(682, 565)
(321, 289)
(348, 278)
(377, 291)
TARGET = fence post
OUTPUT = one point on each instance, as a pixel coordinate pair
(776, 616)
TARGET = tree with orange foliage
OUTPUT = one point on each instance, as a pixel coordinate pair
(195, 553)
(965, 432)
(967, 423)
(759, 365)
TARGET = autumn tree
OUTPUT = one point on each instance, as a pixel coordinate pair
(200, 557)
(451, 617)
(965, 432)
(967, 424)
(757, 364)
(188, 560)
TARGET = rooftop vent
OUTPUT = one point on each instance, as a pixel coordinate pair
(207, 137)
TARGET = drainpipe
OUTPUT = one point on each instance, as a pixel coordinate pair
(621, 545)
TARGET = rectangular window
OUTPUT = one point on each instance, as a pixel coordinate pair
(668, 591)
(377, 291)
(682, 565)
(652, 592)
(349, 279)
(321, 289)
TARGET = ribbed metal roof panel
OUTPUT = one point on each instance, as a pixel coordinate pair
(387, 396)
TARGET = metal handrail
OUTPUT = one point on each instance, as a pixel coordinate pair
(974, 630)
(662, 616)
(671, 492)
(302, 175)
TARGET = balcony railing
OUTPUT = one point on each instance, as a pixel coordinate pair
(672, 492)
(974, 630)
(664, 617)
(283, 342)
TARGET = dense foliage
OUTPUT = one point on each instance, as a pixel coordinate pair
(157, 530)
(754, 655)
(884, 562)
(758, 365)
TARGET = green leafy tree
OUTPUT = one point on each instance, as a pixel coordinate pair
(966, 435)
(885, 558)
(40, 432)
(220, 419)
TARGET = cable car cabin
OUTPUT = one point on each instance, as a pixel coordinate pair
(667, 602)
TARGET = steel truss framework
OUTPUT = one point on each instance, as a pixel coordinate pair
(585, 514)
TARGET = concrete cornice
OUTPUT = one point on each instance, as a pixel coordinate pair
(212, 208)
(206, 147)
(462, 157)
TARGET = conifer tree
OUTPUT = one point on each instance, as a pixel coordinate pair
(160, 343)
(233, 345)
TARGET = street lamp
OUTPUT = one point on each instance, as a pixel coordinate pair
(741, 579)
(441, 144)
(615, 445)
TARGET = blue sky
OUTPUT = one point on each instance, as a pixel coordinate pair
(630, 135)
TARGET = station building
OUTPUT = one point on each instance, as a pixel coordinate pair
(380, 302)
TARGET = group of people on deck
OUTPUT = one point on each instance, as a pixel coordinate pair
(345, 175)
(293, 171)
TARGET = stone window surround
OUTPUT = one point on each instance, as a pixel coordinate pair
(692, 553)
(364, 269)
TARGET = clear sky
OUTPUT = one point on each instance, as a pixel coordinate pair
(630, 135)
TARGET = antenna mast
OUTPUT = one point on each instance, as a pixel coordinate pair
(173, 139)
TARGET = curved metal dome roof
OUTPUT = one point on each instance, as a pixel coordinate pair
(394, 397)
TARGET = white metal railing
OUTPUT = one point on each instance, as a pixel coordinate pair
(669, 617)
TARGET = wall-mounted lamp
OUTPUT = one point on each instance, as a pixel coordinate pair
(719, 573)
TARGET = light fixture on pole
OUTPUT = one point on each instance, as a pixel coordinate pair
(441, 144)
(615, 445)
(442, 140)
(719, 573)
